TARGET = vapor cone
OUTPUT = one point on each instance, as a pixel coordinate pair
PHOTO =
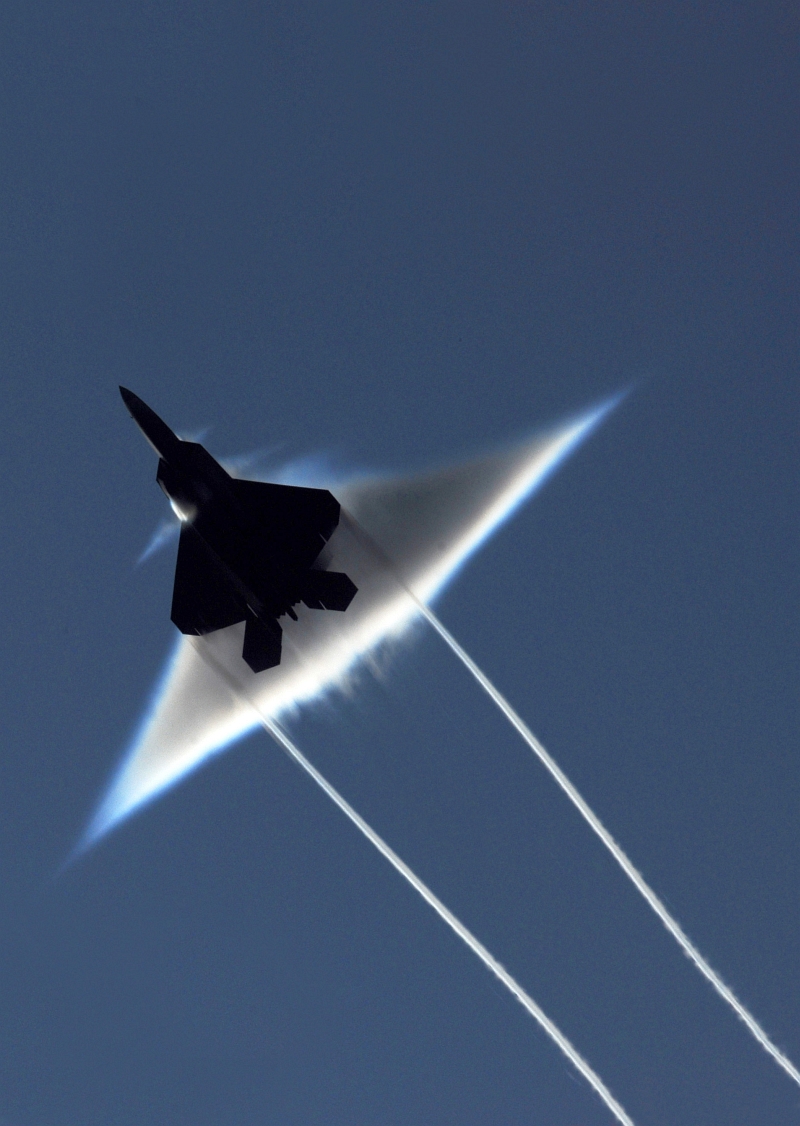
(426, 525)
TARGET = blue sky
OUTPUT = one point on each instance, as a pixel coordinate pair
(399, 236)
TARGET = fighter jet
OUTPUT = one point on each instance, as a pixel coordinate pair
(402, 539)
(248, 551)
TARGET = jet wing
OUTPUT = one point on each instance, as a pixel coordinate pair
(204, 598)
(293, 523)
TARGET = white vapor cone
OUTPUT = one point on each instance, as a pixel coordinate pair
(426, 525)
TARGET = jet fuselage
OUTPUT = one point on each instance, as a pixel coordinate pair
(249, 551)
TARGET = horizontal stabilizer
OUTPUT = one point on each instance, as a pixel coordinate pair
(262, 644)
(328, 590)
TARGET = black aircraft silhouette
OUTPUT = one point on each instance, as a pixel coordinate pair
(248, 552)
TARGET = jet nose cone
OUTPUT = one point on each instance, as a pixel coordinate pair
(130, 400)
(154, 429)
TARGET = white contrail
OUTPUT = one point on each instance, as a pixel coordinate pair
(636, 878)
(625, 864)
(277, 733)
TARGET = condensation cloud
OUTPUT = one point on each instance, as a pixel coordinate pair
(427, 526)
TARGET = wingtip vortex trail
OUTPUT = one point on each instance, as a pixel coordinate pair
(549, 1027)
(634, 875)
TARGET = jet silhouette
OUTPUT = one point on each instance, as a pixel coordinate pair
(248, 551)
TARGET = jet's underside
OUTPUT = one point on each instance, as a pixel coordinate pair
(249, 551)
(258, 577)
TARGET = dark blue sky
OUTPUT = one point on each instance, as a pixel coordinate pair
(401, 233)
